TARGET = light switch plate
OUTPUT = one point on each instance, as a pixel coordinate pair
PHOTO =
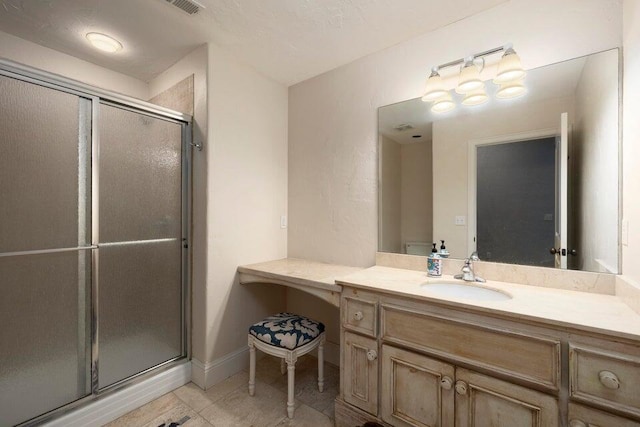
(625, 232)
(460, 220)
(283, 221)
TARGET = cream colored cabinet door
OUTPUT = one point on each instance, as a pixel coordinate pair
(583, 416)
(416, 391)
(483, 401)
(360, 371)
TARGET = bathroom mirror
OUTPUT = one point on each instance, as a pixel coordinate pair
(493, 177)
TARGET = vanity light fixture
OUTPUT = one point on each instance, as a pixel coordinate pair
(470, 84)
(434, 88)
(104, 42)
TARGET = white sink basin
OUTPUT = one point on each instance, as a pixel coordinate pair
(460, 290)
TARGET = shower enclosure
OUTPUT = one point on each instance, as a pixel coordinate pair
(93, 241)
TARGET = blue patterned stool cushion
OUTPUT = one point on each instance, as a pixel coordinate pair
(286, 330)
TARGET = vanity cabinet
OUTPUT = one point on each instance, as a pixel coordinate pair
(413, 363)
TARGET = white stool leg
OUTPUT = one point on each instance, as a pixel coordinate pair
(291, 369)
(252, 368)
(321, 366)
(283, 366)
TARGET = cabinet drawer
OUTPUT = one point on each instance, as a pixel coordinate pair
(583, 416)
(525, 357)
(360, 316)
(605, 378)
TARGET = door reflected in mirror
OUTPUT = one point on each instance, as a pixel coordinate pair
(532, 180)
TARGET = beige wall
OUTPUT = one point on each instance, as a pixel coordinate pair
(390, 191)
(451, 149)
(416, 197)
(333, 117)
(34, 55)
(594, 144)
(194, 64)
(631, 142)
(247, 193)
(333, 132)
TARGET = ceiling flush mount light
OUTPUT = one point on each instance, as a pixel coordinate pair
(470, 84)
(434, 88)
(509, 68)
(469, 79)
(443, 104)
(511, 90)
(104, 43)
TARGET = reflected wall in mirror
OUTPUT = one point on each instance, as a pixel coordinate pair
(532, 180)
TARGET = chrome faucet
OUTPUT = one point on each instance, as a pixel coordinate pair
(468, 275)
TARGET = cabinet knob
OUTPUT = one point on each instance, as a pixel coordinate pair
(358, 315)
(446, 383)
(461, 387)
(372, 355)
(577, 423)
(609, 380)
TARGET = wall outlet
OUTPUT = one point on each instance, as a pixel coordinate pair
(460, 220)
(548, 217)
(283, 221)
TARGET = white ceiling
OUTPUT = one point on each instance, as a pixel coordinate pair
(287, 40)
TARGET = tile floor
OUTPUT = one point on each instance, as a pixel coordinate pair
(228, 403)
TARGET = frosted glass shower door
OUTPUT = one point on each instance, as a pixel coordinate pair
(140, 243)
(45, 252)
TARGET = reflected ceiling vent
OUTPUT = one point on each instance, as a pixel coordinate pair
(189, 6)
(403, 127)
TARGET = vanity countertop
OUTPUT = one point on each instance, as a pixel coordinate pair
(590, 312)
(314, 277)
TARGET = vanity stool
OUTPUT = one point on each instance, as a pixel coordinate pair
(287, 336)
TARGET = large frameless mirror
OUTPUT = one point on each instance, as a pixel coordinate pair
(532, 180)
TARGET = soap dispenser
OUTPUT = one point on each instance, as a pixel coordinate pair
(444, 253)
(434, 263)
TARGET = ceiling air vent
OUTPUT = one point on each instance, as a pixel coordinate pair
(403, 127)
(189, 6)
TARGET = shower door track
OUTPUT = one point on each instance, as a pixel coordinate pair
(97, 97)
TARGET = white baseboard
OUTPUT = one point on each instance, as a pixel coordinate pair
(206, 375)
(118, 403)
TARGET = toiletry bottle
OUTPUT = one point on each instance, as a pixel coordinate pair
(434, 263)
(444, 253)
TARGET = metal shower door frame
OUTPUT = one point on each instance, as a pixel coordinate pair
(97, 97)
